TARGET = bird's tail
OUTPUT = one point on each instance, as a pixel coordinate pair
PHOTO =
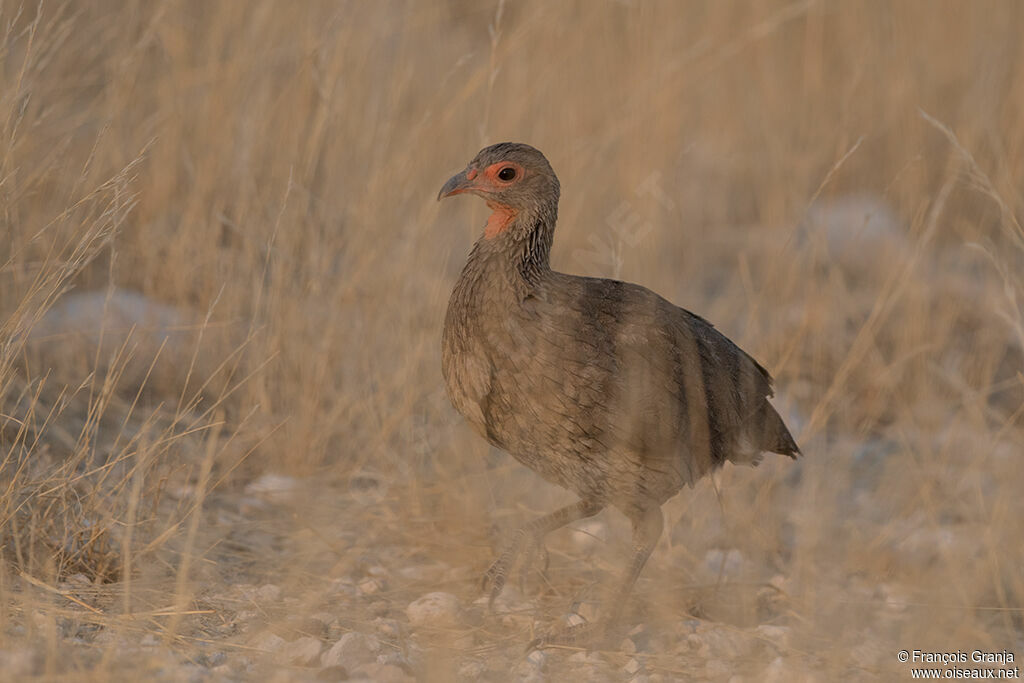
(775, 436)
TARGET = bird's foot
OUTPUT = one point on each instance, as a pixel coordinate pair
(494, 578)
(584, 634)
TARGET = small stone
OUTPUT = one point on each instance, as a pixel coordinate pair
(274, 487)
(304, 625)
(436, 610)
(351, 650)
(590, 610)
(304, 651)
(473, 670)
(527, 670)
(268, 593)
(777, 635)
(574, 619)
(718, 669)
(726, 643)
(18, 663)
(388, 628)
(775, 672)
(342, 586)
(379, 608)
(433, 572)
(538, 677)
(333, 673)
(537, 658)
(393, 658)
(245, 615)
(590, 658)
(267, 641)
(213, 660)
(698, 645)
(385, 673)
(640, 637)
(727, 562)
(325, 618)
(79, 580)
(632, 666)
(371, 586)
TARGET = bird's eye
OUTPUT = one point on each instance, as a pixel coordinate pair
(508, 173)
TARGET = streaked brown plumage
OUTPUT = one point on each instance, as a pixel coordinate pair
(600, 386)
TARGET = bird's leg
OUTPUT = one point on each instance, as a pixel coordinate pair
(533, 533)
(647, 528)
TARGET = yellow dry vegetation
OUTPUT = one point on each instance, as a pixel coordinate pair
(223, 276)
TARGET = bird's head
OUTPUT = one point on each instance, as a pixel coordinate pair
(513, 178)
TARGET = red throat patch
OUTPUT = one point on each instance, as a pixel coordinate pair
(499, 221)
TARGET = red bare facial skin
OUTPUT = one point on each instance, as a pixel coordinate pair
(499, 220)
(491, 174)
(503, 214)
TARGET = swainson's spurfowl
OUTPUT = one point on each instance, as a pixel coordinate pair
(600, 386)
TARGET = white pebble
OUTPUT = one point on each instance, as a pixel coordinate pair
(438, 610)
(268, 593)
(303, 651)
(268, 642)
(351, 650)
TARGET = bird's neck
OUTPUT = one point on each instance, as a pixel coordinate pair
(513, 262)
(523, 249)
(531, 253)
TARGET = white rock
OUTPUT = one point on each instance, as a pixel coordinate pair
(775, 672)
(274, 487)
(437, 610)
(393, 658)
(573, 619)
(729, 562)
(95, 324)
(351, 650)
(856, 230)
(537, 658)
(718, 669)
(632, 666)
(114, 313)
(18, 663)
(268, 593)
(778, 635)
(385, 673)
(303, 651)
(389, 628)
(267, 641)
(473, 670)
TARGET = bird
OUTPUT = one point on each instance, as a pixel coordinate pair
(602, 387)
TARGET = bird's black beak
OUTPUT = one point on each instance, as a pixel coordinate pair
(458, 183)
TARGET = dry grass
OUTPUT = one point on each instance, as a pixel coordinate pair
(269, 170)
